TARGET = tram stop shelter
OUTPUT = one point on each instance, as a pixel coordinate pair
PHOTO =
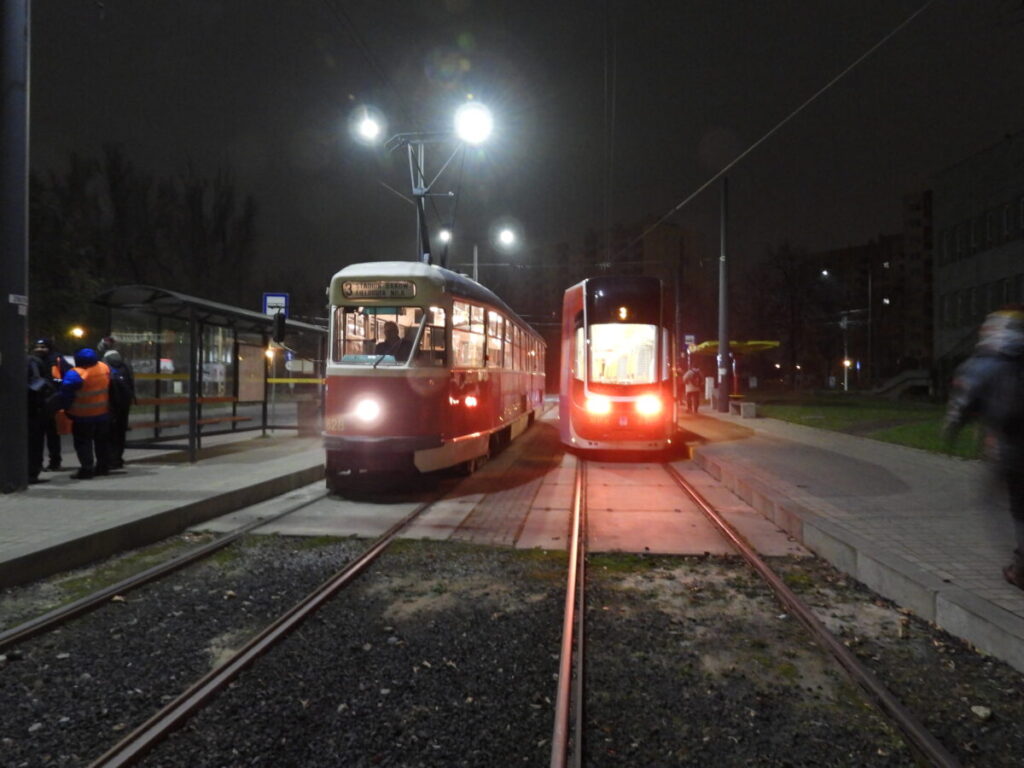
(737, 349)
(202, 368)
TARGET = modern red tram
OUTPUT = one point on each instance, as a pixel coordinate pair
(618, 383)
(427, 369)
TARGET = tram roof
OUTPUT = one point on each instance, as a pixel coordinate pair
(165, 303)
(450, 282)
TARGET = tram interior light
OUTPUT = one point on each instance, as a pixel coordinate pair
(473, 123)
(599, 406)
(648, 405)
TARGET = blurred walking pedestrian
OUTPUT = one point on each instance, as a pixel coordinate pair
(122, 395)
(989, 387)
(86, 393)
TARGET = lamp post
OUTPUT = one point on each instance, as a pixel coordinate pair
(473, 125)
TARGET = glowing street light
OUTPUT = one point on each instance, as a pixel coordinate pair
(445, 235)
(473, 122)
(473, 125)
(367, 125)
(78, 332)
(506, 238)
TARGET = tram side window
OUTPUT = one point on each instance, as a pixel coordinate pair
(467, 335)
(517, 348)
(579, 348)
(432, 349)
(495, 332)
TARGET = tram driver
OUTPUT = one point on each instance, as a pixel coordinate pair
(393, 344)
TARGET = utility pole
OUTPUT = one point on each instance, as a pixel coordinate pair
(723, 308)
(14, 245)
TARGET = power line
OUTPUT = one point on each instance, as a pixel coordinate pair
(778, 125)
(341, 15)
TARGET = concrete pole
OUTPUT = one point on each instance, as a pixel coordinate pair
(14, 245)
(476, 262)
(723, 309)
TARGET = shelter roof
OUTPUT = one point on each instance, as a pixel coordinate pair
(165, 303)
(739, 347)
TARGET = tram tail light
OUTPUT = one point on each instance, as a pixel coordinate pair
(598, 406)
(648, 405)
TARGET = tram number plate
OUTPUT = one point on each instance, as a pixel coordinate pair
(378, 289)
(623, 421)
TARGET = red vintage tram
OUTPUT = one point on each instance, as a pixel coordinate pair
(427, 370)
(618, 383)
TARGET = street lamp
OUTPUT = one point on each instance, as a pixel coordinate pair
(473, 124)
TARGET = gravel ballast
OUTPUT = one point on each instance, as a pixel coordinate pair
(68, 695)
(446, 654)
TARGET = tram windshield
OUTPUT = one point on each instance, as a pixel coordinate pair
(623, 353)
(387, 336)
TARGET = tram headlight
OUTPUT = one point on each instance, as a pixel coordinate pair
(598, 406)
(367, 410)
(648, 405)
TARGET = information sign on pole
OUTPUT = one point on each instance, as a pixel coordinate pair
(274, 303)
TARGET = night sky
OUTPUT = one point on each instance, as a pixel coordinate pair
(265, 87)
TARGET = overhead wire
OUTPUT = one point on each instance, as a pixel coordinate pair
(675, 209)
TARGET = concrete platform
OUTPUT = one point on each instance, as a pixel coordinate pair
(929, 532)
(65, 523)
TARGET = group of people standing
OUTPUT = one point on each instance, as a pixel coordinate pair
(94, 392)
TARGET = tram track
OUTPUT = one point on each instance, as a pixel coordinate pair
(65, 613)
(232, 602)
(141, 740)
(572, 697)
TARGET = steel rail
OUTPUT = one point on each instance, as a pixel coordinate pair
(560, 735)
(141, 740)
(65, 613)
(919, 738)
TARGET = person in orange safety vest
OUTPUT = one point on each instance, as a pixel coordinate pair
(86, 392)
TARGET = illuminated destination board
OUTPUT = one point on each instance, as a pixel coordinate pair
(378, 289)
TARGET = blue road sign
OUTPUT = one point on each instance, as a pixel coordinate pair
(274, 303)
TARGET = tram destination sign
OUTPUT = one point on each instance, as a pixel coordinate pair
(378, 289)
